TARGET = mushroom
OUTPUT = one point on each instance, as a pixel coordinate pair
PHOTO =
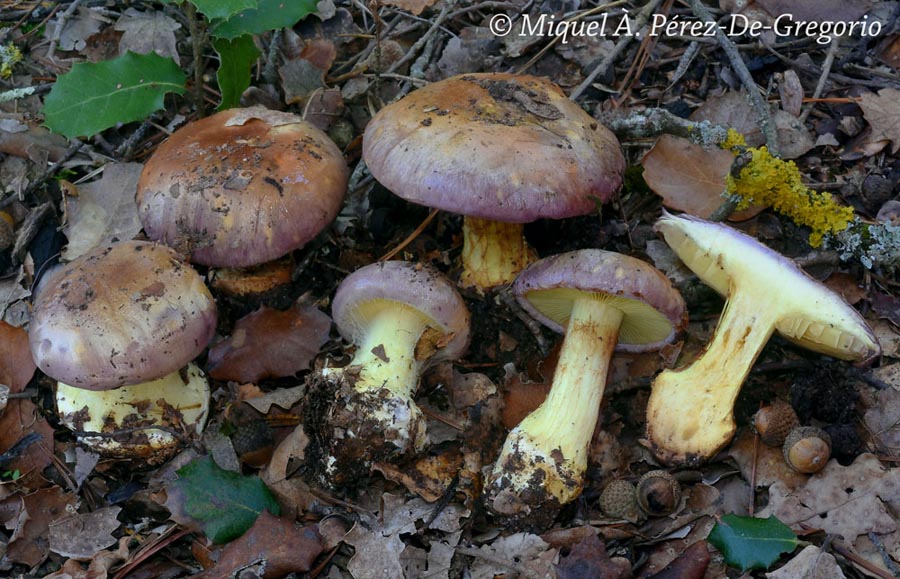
(690, 411)
(602, 301)
(117, 327)
(502, 150)
(401, 317)
(241, 187)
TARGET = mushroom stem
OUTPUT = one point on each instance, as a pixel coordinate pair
(146, 417)
(690, 411)
(493, 253)
(545, 455)
(387, 356)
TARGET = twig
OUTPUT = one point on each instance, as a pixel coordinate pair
(858, 560)
(530, 323)
(29, 229)
(197, 39)
(52, 170)
(417, 46)
(639, 22)
(826, 69)
(270, 70)
(734, 57)
(651, 123)
(684, 64)
(409, 238)
(885, 558)
(60, 24)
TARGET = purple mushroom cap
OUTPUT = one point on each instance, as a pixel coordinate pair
(654, 310)
(419, 286)
(126, 313)
(497, 146)
(241, 187)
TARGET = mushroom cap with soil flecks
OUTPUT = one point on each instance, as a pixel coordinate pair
(499, 149)
(241, 187)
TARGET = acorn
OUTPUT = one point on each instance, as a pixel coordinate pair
(658, 493)
(774, 422)
(807, 449)
(619, 501)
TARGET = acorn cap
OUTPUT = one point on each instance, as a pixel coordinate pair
(774, 422)
(658, 493)
(619, 501)
(241, 187)
(807, 449)
(495, 146)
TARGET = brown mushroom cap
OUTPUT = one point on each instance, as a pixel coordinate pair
(654, 310)
(121, 314)
(421, 287)
(495, 146)
(241, 187)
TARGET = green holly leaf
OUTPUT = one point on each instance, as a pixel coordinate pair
(268, 15)
(221, 503)
(97, 95)
(214, 9)
(751, 543)
(236, 57)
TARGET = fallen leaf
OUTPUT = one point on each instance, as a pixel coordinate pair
(414, 6)
(770, 466)
(688, 177)
(282, 397)
(791, 93)
(523, 552)
(691, 564)
(16, 364)
(844, 500)
(752, 542)
(99, 566)
(589, 558)
(269, 343)
(847, 286)
(83, 535)
(810, 563)
(883, 113)
(146, 32)
(103, 210)
(28, 544)
(276, 545)
(20, 419)
(882, 420)
(221, 503)
(77, 28)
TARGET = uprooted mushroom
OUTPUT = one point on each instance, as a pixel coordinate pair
(602, 301)
(690, 411)
(401, 317)
(118, 328)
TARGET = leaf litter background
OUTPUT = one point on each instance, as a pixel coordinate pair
(68, 513)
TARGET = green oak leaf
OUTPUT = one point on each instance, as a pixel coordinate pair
(221, 503)
(97, 95)
(221, 9)
(236, 57)
(268, 15)
(752, 543)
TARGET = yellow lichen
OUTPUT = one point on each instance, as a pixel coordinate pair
(768, 180)
(10, 55)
